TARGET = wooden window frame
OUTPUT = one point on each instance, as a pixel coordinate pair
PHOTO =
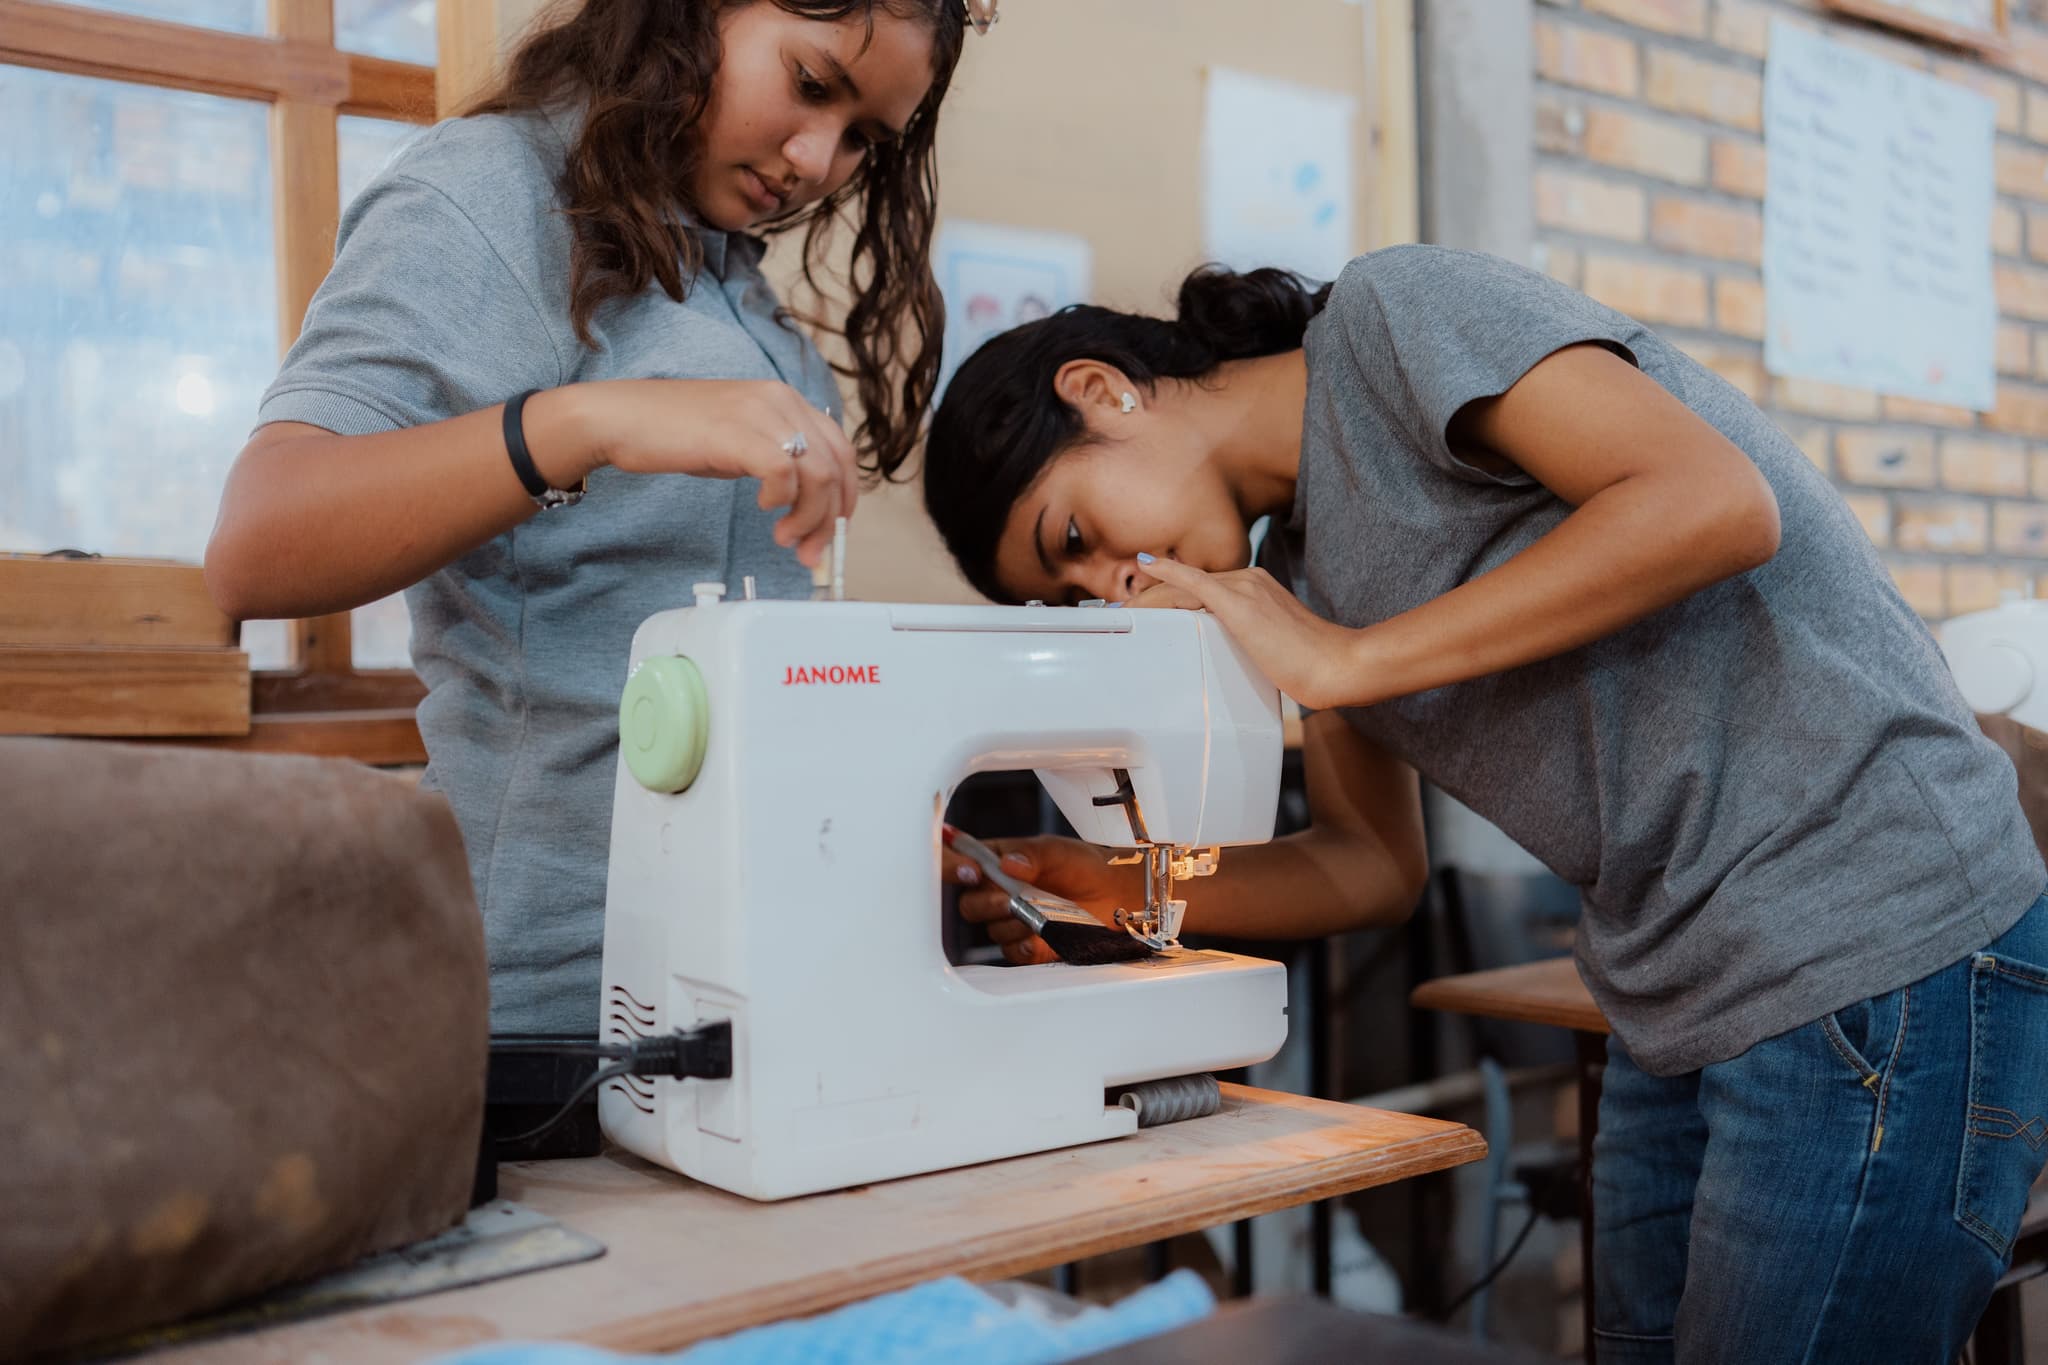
(321, 703)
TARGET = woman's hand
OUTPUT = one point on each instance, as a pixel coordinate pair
(1314, 661)
(1066, 867)
(712, 428)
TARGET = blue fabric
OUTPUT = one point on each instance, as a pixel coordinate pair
(1847, 1191)
(944, 1321)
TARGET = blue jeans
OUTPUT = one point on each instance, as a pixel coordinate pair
(1846, 1192)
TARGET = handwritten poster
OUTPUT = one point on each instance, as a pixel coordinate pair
(995, 278)
(1877, 224)
(1276, 175)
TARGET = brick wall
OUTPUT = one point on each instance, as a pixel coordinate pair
(1649, 197)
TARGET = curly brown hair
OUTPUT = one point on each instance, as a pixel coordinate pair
(641, 71)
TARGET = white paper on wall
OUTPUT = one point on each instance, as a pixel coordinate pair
(995, 278)
(1981, 15)
(1877, 224)
(1276, 175)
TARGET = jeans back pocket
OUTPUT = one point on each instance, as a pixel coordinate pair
(2005, 1133)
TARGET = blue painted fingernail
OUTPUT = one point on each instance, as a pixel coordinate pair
(968, 874)
(1116, 604)
(1144, 558)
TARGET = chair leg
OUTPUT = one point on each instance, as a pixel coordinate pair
(1319, 1086)
(2000, 1338)
(1500, 1136)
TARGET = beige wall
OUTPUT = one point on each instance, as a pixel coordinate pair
(1085, 116)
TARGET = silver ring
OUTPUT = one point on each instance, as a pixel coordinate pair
(795, 446)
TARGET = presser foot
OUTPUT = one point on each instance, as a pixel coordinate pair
(1157, 926)
(1159, 932)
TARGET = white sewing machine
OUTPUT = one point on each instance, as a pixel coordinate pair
(775, 861)
(2000, 659)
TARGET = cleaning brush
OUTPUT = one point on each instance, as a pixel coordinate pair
(1074, 935)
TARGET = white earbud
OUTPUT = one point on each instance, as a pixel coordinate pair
(1130, 402)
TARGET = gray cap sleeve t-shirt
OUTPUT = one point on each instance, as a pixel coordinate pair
(450, 293)
(1771, 794)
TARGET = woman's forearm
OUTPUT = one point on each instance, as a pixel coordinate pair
(1299, 886)
(312, 522)
(1632, 549)
(1361, 865)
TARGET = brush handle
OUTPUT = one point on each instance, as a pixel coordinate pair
(984, 857)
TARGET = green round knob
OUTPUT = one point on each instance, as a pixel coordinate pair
(664, 718)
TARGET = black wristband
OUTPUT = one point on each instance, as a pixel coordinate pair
(515, 446)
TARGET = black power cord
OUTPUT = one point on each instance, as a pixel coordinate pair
(704, 1052)
(1493, 1274)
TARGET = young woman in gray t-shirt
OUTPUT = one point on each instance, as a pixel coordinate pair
(1556, 567)
(560, 294)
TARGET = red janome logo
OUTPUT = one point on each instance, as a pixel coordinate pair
(836, 675)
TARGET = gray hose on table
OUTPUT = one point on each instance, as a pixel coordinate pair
(1172, 1099)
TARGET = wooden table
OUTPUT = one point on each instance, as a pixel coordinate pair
(1545, 992)
(686, 1261)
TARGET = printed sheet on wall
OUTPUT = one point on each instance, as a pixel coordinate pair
(1276, 175)
(995, 277)
(1877, 224)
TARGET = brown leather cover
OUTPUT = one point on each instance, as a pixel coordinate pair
(2028, 750)
(243, 1028)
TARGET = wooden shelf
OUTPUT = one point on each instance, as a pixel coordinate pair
(123, 693)
(1988, 39)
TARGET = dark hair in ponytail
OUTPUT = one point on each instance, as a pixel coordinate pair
(1001, 423)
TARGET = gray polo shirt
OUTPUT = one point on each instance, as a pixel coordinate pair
(449, 293)
(1771, 794)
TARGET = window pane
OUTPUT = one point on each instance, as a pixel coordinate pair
(235, 16)
(380, 634)
(267, 643)
(402, 30)
(365, 145)
(139, 307)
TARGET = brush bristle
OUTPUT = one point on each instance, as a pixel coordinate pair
(1082, 946)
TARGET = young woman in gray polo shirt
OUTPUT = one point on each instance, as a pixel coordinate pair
(1579, 582)
(583, 237)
